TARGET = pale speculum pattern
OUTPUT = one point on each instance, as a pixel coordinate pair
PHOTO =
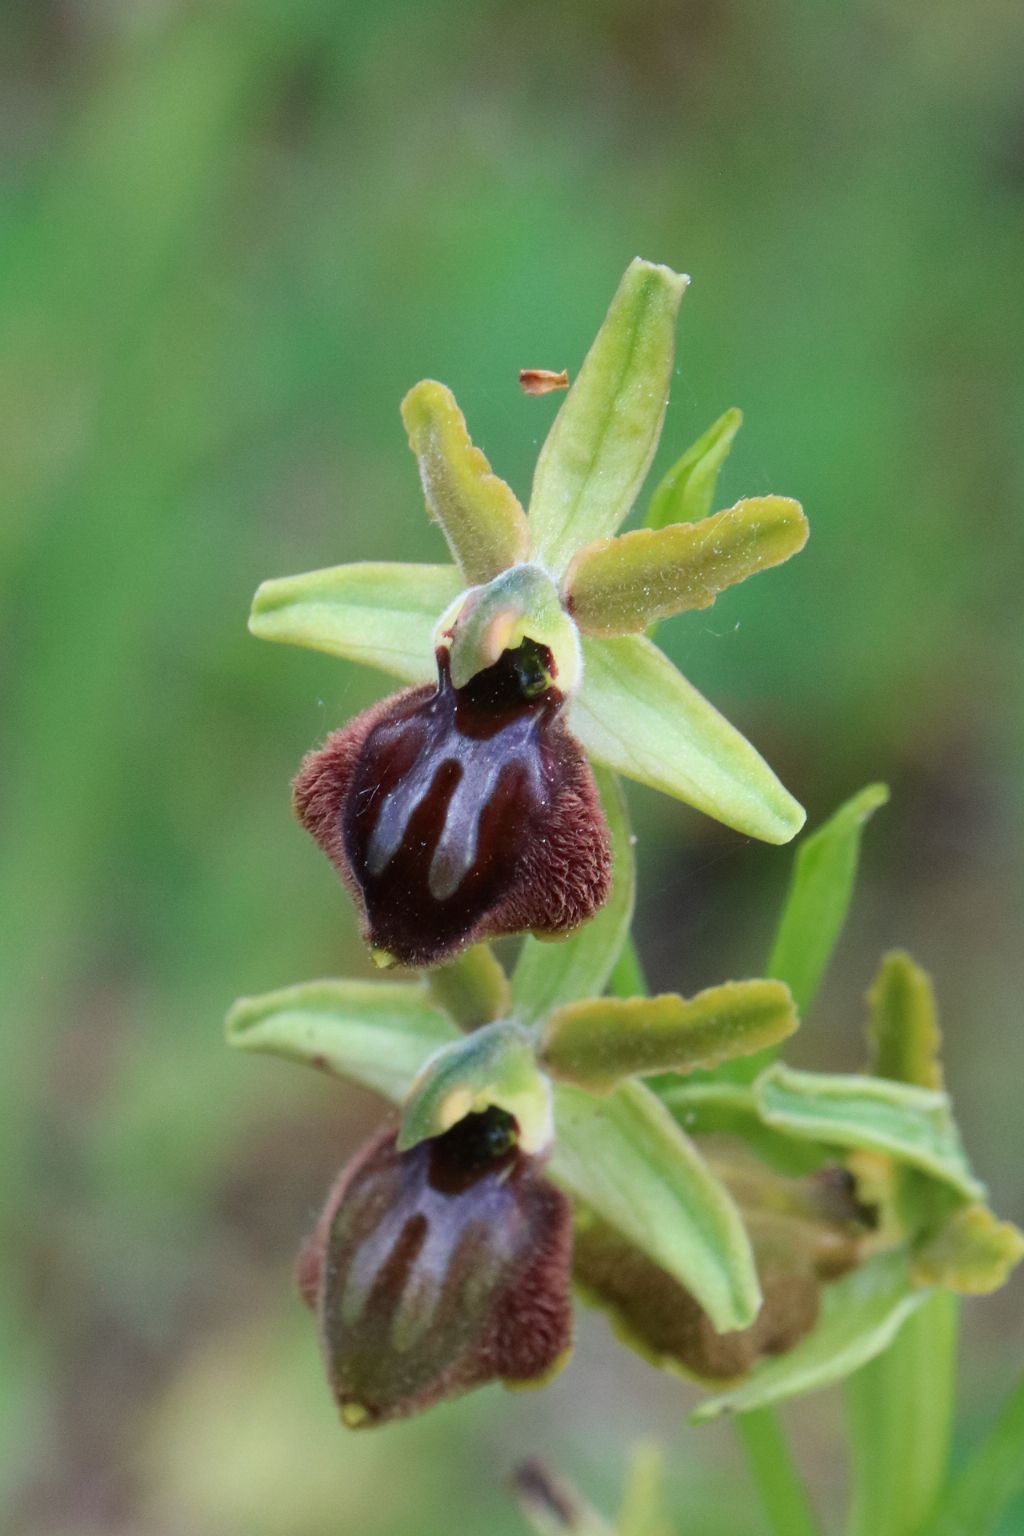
(445, 796)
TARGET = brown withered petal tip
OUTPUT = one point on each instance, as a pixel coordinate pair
(542, 381)
(660, 1319)
(457, 815)
(436, 1270)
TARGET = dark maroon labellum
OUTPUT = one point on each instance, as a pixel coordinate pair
(456, 814)
(436, 1270)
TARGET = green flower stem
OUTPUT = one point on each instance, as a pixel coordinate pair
(775, 1473)
(994, 1474)
(771, 1462)
(899, 1410)
(627, 978)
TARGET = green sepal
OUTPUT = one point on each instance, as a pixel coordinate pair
(374, 1033)
(621, 586)
(912, 1125)
(494, 1067)
(521, 603)
(860, 1316)
(972, 1253)
(479, 514)
(818, 899)
(627, 1160)
(382, 615)
(598, 1042)
(603, 439)
(549, 974)
(726, 1108)
(472, 988)
(686, 492)
(903, 1026)
(636, 713)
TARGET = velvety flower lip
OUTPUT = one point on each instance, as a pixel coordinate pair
(456, 814)
(435, 1270)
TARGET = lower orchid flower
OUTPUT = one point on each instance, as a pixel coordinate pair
(755, 1227)
(438, 1269)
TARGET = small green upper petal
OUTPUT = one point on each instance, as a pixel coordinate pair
(620, 586)
(903, 1025)
(481, 518)
(597, 1042)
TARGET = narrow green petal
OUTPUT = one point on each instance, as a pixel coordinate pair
(603, 439)
(903, 1025)
(625, 1158)
(860, 1315)
(548, 974)
(728, 1108)
(375, 1033)
(596, 1043)
(382, 615)
(494, 1067)
(479, 514)
(686, 493)
(818, 899)
(913, 1125)
(621, 586)
(638, 714)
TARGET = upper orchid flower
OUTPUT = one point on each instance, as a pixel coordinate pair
(464, 808)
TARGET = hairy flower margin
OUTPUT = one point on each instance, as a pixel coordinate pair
(741, 1223)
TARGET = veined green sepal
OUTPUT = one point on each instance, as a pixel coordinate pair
(603, 439)
(378, 613)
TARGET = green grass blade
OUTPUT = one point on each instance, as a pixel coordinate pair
(899, 1416)
(818, 900)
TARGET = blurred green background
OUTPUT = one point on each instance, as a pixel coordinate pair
(231, 236)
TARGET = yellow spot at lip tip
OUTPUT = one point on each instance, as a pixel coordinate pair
(383, 959)
(354, 1414)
